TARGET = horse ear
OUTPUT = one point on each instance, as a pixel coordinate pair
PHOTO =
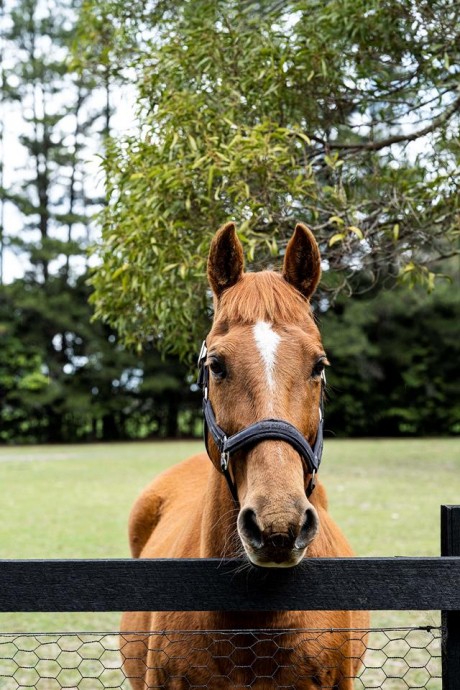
(302, 261)
(225, 261)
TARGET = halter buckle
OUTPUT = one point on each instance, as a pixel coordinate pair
(224, 460)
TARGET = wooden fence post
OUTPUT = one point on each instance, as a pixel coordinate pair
(450, 546)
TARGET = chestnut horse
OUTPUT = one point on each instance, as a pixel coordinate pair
(264, 360)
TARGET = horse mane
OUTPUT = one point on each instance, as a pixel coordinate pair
(263, 296)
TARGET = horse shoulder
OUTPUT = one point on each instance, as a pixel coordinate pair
(178, 487)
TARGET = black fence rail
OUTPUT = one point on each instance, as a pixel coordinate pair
(318, 584)
(209, 585)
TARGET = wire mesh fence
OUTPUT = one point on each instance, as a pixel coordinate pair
(387, 658)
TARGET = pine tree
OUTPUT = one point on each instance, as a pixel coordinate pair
(50, 100)
(62, 377)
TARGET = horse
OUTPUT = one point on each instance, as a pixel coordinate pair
(255, 493)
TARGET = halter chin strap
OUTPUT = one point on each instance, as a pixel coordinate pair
(265, 430)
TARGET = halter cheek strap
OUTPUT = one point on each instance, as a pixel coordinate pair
(265, 430)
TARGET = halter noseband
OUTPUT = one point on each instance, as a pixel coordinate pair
(265, 430)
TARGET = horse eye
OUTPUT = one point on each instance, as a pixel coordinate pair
(318, 368)
(217, 367)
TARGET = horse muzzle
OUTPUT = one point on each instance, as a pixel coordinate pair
(277, 541)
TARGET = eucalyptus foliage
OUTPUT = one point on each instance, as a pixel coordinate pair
(344, 115)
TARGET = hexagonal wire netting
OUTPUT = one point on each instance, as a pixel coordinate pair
(392, 659)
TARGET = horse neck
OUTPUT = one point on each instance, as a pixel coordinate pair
(219, 537)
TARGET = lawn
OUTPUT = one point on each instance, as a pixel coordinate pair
(73, 502)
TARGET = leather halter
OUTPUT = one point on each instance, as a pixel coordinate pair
(265, 430)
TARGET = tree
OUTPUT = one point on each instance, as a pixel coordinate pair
(86, 385)
(57, 116)
(393, 364)
(342, 115)
(48, 195)
(22, 377)
(63, 378)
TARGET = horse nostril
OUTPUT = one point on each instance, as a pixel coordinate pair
(249, 528)
(280, 541)
(308, 529)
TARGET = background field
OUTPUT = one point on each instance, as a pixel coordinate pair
(73, 502)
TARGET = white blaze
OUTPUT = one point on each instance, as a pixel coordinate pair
(267, 342)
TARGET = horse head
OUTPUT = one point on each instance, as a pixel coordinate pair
(264, 360)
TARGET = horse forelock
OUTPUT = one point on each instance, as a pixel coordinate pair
(263, 296)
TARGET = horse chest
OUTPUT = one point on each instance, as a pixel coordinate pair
(254, 659)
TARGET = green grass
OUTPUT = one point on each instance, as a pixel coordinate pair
(73, 502)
